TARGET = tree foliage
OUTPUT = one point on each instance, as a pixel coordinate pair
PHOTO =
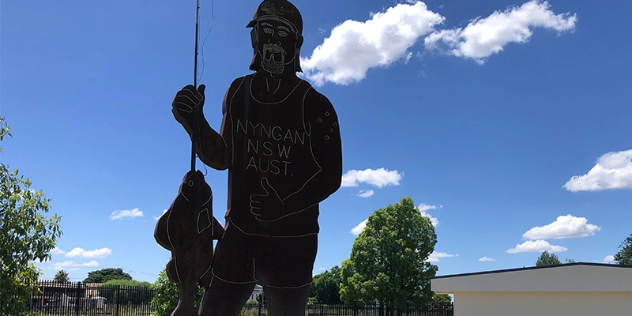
(624, 256)
(261, 298)
(388, 259)
(104, 275)
(165, 297)
(441, 299)
(26, 235)
(61, 277)
(325, 287)
(547, 259)
(134, 292)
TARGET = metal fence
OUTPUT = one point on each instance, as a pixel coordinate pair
(68, 299)
(79, 299)
(362, 310)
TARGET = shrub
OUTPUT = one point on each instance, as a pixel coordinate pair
(127, 292)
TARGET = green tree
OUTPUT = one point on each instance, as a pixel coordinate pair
(325, 287)
(441, 299)
(547, 259)
(165, 297)
(26, 235)
(624, 256)
(134, 292)
(61, 277)
(261, 298)
(104, 275)
(388, 259)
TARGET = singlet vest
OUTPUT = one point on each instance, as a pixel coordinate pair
(270, 140)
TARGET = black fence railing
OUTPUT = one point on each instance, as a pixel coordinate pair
(79, 299)
(362, 310)
(75, 299)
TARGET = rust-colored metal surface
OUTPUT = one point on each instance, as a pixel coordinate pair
(280, 142)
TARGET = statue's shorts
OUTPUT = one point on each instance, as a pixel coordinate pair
(282, 262)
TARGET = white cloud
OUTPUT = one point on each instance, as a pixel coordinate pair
(608, 259)
(97, 253)
(535, 246)
(359, 228)
(126, 213)
(484, 259)
(483, 37)
(424, 207)
(612, 171)
(57, 251)
(434, 256)
(354, 47)
(379, 178)
(567, 226)
(71, 265)
(366, 193)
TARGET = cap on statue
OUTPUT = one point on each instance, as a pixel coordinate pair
(278, 10)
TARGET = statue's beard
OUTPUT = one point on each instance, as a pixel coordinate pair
(273, 59)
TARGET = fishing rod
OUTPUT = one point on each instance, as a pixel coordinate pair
(196, 128)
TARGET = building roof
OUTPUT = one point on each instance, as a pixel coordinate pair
(572, 277)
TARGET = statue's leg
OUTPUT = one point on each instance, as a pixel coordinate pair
(232, 279)
(223, 298)
(286, 301)
(185, 303)
(284, 268)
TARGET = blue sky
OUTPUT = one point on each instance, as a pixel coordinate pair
(507, 122)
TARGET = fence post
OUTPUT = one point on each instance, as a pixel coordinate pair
(77, 299)
(355, 308)
(118, 298)
(260, 307)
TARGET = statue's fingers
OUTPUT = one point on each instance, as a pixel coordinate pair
(254, 204)
(255, 210)
(200, 91)
(188, 87)
(183, 107)
(192, 95)
(184, 98)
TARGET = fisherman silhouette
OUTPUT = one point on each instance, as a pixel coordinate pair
(280, 142)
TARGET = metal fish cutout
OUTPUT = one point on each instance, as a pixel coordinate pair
(188, 229)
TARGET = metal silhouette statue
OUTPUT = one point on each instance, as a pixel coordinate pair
(280, 142)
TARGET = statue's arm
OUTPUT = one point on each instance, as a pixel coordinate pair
(212, 147)
(215, 149)
(322, 123)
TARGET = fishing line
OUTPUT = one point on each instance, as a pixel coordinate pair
(205, 38)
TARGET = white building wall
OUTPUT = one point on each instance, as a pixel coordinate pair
(253, 296)
(543, 303)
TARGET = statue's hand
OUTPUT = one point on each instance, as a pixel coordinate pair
(267, 206)
(187, 105)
